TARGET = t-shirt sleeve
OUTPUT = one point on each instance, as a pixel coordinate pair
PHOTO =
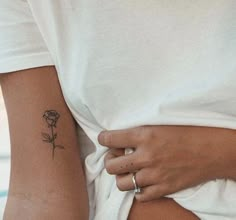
(21, 43)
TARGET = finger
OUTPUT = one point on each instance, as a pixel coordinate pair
(152, 192)
(117, 151)
(124, 182)
(122, 164)
(113, 153)
(120, 138)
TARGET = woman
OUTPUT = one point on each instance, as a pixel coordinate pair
(159, 74)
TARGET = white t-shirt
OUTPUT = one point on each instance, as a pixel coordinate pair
(123, 64)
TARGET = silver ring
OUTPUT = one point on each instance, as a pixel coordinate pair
(137, 189)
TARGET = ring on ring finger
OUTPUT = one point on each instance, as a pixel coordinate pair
(137, 189)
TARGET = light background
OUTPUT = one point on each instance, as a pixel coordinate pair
(4, 156)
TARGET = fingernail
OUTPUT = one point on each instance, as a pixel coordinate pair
(101, 137)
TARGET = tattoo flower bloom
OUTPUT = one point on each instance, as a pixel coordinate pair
(51, 117)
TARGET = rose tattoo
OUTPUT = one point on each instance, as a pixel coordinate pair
(51, 117)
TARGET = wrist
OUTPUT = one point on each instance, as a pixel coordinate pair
(227, 163)
(222, 145)
(216, 149)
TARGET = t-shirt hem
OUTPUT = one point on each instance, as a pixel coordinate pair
(25, 62)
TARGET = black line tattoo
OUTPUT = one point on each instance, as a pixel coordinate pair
(51, 117)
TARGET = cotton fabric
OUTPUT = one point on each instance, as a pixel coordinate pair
(123, 64)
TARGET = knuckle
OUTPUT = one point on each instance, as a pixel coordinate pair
(149, 132)
(140, 133)
(145, 159)
(145, 133)
(157, 175)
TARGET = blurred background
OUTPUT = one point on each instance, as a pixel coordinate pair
(4, 156)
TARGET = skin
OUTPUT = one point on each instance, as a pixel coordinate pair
(46, 187)
(178, 157)
(44, 184)
(161, 209)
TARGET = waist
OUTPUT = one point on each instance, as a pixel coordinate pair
(160, 209)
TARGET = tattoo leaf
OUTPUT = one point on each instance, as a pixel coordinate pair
(46, 136)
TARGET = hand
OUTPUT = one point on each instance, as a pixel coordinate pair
(167, 158)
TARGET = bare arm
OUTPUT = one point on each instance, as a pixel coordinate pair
(47, 180)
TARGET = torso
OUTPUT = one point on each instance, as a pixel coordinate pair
(159, 210)
(123, 64)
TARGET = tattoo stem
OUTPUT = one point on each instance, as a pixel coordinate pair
(51, 117)
(53, 143)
